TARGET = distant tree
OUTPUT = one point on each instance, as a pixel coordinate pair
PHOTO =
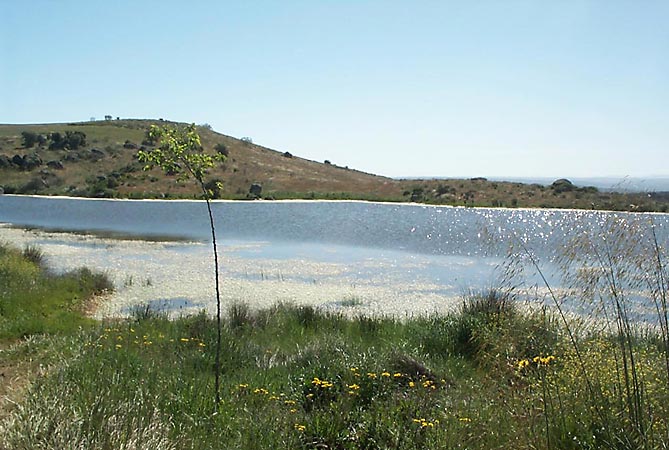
(247, 140)
(108, 117)
(288, 155)
(206, 126)
(28, 139)
(180, 151)
(562, 185)
(327, 161)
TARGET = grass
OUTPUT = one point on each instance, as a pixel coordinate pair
(34, 301)
(492, 374)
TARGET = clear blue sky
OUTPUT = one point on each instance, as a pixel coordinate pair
(412, 88)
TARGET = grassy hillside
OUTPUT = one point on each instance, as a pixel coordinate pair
(104, 165)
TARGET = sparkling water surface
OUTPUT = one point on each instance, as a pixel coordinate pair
(358, 257)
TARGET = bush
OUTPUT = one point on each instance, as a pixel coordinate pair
(222, 149)
(71, 141)
(28, 139)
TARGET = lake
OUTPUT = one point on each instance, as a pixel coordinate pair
(355, 257)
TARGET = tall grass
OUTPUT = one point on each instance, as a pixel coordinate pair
(495, 373)
(618, 274)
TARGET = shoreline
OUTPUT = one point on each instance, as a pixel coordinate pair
(373, 202)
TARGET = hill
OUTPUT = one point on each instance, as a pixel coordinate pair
(98, 159)
(106, 166)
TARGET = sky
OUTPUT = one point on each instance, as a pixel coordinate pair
(498, 88)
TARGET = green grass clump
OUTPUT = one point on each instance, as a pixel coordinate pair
(33, 301)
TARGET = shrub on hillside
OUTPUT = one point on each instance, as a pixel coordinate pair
(72, 140)
(28, 139)
(222, 149)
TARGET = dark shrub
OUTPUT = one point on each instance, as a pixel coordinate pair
(75, 139)
(255, 190)
(28, 139)
(5, 162)
(417, 194)
(221, 148)
(71, 141)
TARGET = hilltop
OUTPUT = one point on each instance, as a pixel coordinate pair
(98, 159)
